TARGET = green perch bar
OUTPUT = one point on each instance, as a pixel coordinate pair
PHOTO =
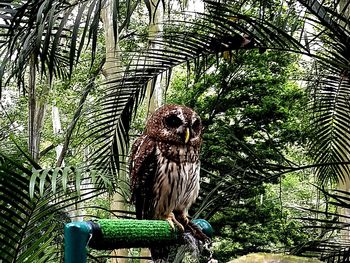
(119, 233)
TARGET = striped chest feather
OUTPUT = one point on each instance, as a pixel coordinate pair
(176, 184)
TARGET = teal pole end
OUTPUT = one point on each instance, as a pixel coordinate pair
(76, 237)
(204, 226)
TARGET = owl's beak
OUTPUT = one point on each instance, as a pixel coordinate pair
(187, 135)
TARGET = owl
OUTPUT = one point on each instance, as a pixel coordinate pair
(164, 165)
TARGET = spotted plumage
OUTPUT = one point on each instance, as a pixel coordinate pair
(164, 164)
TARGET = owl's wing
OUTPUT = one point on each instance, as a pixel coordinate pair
(143, 166)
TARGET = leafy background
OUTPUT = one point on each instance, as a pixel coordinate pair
(269, 79)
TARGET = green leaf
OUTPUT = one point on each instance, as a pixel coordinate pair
(32, 182)
(55, 174)
(43, 181)
(78, 180)
(93, 174)
(65, 174)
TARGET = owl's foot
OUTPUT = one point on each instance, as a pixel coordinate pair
(183, 219)
(173, 221)
(191, 227)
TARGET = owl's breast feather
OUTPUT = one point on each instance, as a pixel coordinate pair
(178, 153)
(177, 181)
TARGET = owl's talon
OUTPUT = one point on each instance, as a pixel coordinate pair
(183, 219)
(172, 221)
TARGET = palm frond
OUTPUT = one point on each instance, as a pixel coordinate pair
(223, 27)
(330, 143)
(51, 34)
(332, 244)
(28, 238)
(32, 219)
(330, 88)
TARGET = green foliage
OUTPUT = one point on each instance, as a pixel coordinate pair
(255, 121)
(251, 112)
(98, 207)
(33, 215)
(66, 178)
(28, 226)
(262, 223)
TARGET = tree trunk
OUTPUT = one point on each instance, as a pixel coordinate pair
(36, 112)
(155, 91)
(111, 67)
(31, 111)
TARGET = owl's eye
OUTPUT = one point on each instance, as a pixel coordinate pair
(196, 126)
(173, 121)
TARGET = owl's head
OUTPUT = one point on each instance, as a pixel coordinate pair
(175, 124)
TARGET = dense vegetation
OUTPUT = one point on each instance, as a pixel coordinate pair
(253, 116)
(269, 80)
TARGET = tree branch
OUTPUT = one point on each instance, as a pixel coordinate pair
(47, 149)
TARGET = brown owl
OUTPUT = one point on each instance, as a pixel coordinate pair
(165, 165)
(164, 170)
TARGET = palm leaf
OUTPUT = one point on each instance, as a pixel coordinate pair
(329, 246)
(329, 88)
(28, 236)
(52, 32)
(31, 227)
(222, 28)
